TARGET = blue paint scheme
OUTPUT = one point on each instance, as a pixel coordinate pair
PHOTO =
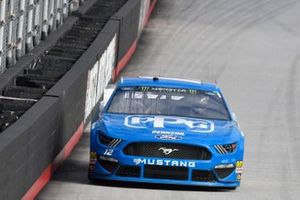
(114, 126)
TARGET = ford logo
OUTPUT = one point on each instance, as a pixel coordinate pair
(167, 151)
(168, 137)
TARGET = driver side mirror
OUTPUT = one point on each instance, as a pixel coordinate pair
(108, 91)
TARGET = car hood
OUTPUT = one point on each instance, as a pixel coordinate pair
(165, 128)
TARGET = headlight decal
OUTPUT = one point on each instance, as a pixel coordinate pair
(220, 149)
(108, 141)
(225, 149)
(114, 143)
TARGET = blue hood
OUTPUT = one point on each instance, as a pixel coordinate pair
(181, 129)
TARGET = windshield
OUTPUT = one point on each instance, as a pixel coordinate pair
(170, 102)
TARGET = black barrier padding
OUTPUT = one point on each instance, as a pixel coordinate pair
(7, 118)
(40, 75)
(104, 8)
(53, 63)
(128, 16)
(68, 53)
(27, 148)
(44, 73)
(15, 105)
(23, 92)
(11, 110)
(85, 7)
(34, 82)
(73, 44)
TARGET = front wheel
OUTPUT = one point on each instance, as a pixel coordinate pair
(92, 179)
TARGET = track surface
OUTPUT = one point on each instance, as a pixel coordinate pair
(253, 49)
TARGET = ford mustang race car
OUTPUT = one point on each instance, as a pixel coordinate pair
(164, 130)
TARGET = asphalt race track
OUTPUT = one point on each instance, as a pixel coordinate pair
(252, 48)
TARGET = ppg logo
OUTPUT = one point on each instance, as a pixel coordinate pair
(195, 125)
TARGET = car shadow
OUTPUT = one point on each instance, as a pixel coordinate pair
(137, 185)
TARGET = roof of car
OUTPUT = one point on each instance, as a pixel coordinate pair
(167, 82)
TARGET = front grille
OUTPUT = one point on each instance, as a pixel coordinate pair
(203, 176)
(166, 172)
(167, 150)
(129, 171)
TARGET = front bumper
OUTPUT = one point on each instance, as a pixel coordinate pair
(119, 167)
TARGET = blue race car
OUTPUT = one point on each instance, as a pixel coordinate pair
(164, 130)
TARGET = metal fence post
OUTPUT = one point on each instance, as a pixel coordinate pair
(11, 39)
(2, 35)
(38, 15)
(65, 8)
(51, 15)
(45, 19)
(29, 41)
(20, 32)
(59, 9)
(74, 4)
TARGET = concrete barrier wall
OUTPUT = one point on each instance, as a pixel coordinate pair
(33, 146)
(144, 10)
(27, 147)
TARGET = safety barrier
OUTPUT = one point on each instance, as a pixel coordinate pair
(27, 147)
(56, 94)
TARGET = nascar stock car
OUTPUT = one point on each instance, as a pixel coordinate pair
(164, 130)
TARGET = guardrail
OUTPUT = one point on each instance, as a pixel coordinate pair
(50, 100)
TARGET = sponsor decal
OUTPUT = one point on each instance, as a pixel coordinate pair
(93, 158)
(239, 164)
(177, 90)
(168, 135)
(239, 169)
(195, 125)
(239, 177)
(162, 162)
(93, 155)
(167, 151)
(99, 76)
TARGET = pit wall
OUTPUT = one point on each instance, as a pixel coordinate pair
(35, 145)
